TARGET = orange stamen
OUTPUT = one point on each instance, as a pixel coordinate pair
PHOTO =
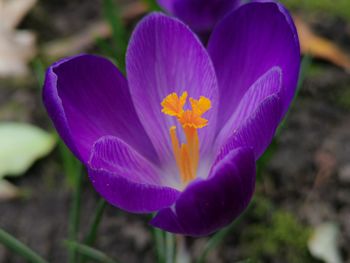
(191, 119)
(186, 155)
(173, 105)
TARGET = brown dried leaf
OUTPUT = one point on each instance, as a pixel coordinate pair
(86, 38)
(17, 47)
(326, 164)
(8, 191)
(319, 47)
(13, 11)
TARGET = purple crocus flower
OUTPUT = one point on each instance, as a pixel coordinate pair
(200, 15)
(180, 136)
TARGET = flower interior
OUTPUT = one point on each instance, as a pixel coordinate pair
(186, 154)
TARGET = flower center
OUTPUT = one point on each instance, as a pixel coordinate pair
(187, 154)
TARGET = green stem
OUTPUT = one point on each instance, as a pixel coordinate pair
(74, 215)
(71, 165)
(91, 237)
(182, 254)
(219, 237)
(170, 247)
(92, 253)
(19, 248)
(160, 247)
(213, 242)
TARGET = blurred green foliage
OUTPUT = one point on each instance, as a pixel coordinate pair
(343, 99)
(116, 48)
(276, 234)
(316, 70)
(153, 5)
(339, 8)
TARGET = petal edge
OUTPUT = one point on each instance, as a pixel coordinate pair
(208, 205)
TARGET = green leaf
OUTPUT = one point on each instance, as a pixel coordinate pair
(20, 146)
(19, 248)
(91, 253)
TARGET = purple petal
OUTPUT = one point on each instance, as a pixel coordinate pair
(257, 131)
(126, 179)
(201, 15)
(164, 56)
(207, 205)
(87, 97)
(168, 5)
(246, 44)
(267, 85)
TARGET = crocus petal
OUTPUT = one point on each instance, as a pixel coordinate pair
(267, 85)
(201, 15)
(207, 205)
(257, 131)
(87, 97)
(246, 44)
(164, 56)
(126, 179)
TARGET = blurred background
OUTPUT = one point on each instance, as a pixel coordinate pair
(301, 208)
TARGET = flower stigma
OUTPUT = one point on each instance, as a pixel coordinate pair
(186, 154)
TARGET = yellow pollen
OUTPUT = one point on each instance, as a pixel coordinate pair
(173, 105)
(200, 106)
(186, 154)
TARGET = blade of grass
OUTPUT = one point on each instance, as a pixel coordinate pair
(169, 247)
(74, 176)
(39, 70)
(219, 237)
(119, 34)
(19, 248)
(89, 252)
(265, 159)
(160, 248)
(104, 47)
(182, 252)
(245, 261)
(91, 237)
(70, 164)
(214, 241)
(305, 66)
(74, 213)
